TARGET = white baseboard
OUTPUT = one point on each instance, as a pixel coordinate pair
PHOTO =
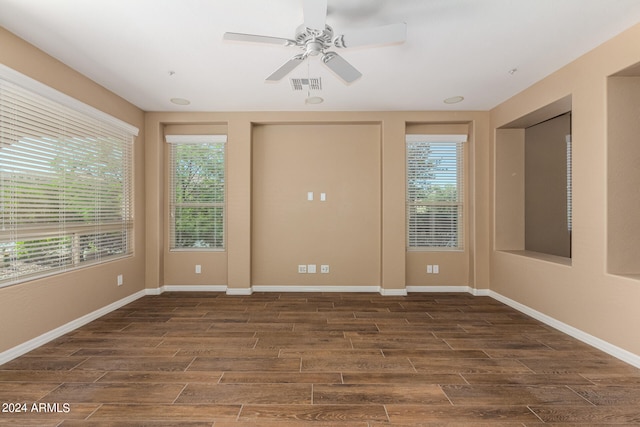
(239, 291)
(185, 288)
(36, 342)
(194, 288)
(439, 289)
(264, 288)
(393, 292)
(302, 289)
(275, 288)
(617, 352)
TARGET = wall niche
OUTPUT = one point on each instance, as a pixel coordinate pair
(623, 172)
(533, 184)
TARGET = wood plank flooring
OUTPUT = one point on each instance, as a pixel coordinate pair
(289, 360)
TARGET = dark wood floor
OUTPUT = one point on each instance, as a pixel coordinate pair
(288, 360)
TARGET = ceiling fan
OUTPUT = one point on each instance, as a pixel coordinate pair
(314, 37)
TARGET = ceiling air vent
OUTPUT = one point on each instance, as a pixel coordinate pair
(313, 83)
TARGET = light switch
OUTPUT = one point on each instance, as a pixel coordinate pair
(310, 196)
(311, 268)
(323, 197)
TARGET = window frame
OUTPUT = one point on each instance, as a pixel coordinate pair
(36, 122)
(211, 139)
(429, 140)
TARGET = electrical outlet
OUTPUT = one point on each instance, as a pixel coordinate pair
(324, 269)
(120, 280)
(429, 269)
(311, 268)
(198, 269)
(302, 268)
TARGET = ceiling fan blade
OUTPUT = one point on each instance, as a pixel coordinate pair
(258, 39)
(286, 68)
(386, 34)
(315, 14)
(341, 67)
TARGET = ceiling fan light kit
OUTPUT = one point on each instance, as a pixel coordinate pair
(314, 37)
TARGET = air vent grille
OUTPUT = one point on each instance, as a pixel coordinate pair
(312, 83)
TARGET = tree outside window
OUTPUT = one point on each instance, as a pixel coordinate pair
(435, 192)
(197, 196)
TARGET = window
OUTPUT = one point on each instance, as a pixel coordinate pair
(435, 192)
(197, 192)
(65, 183)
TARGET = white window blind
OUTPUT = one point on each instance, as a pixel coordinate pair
(197, 192)
(569, 184)
(435, 192)
(65, 184)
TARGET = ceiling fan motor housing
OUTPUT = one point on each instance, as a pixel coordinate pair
(314, 41)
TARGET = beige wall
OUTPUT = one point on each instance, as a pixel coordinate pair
(179, 267)
(623, 173)
(453, 266)
(340, 161)
(545, 170)
(583, 294)
(509, 190)
(274, 159)
(33, 308)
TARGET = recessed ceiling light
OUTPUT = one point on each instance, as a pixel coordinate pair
(180, 101)
(454, 100)
(314, 100)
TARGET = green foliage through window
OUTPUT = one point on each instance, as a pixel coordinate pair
(197, 196)
(65, 187)
(434, 194)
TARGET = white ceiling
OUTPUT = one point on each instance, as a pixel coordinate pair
(453, 48)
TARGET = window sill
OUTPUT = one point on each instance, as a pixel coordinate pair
(542, 257)
(627, 276)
